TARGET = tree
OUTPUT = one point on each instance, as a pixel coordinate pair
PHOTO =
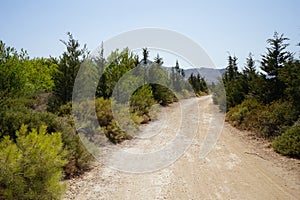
(158, 60)
(198, 84)
(272, 63)
(145, 55)
(250, 78)
(177, 78)
(68, 66)
(290, 76)
(233, 83)
(177, 68)
(249, 68)
(31, 168)
(276, 55)
(231, 72)
(117, 64)
(12, 79)
(39, 72)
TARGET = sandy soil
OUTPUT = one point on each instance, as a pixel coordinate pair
(239, 166)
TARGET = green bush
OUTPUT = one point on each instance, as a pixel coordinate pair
(289, 142)
(237, 115)
(79, 158)
(267, 121)
(275, 118)
(31, 168)
(103, 117)
(65, 110)
(163, 95)
(16, 112)
(103, 110)
(142, 100)
(115, 134)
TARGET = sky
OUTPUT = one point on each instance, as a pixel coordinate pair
(234, 27)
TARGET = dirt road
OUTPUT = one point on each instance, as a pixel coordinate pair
(237, 167)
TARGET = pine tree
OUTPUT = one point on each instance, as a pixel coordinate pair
(250, 78)
(158, 60)
(232, 69)
(65, 76)
(177, 68)
(198, 84)
(31, 168)
(233, 82)
(272, 63)
(276, 55)
(145, 55)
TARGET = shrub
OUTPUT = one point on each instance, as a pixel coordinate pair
(31, 168)
(142, 100)
(16, 112)
(105, 118)
(163, 95)
(65, 110)
(115, 134)
(275, 118)
(78, 157)
(237, 115)
(267, 121)
(103, 110)
(289, 142)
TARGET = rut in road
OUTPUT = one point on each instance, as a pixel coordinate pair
(230, 171)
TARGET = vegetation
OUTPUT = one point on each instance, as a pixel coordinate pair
(199, 85)
(289, 142)
(266, 102)
(36, 95)
(31, 167)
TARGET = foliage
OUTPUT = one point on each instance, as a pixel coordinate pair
(79, 158)
(177, 81)
(103, 111)
(239, 115)
(290, 76)
(39, 74)
(275, 118)
(115, 134)
(21, 76)
(289, 142)
(107, 122)
(15, 112)
(142, 100)
(163, 95)
(145, 56)
(233, 83)
(65, 75)
(31, 168)
(272, 63)
(267, 103)
(12, 77)
(117, 64)
(267, 121)
(198, 83)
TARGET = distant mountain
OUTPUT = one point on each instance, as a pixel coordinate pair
(210, 74)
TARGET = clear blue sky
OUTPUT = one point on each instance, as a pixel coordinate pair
(234, 26)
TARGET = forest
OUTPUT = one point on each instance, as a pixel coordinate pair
(264, 99)
(39, 144)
